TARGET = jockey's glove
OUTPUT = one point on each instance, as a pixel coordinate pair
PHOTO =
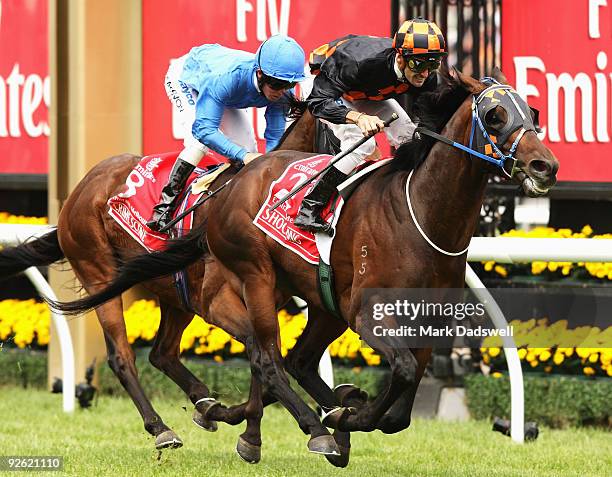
(237, 163)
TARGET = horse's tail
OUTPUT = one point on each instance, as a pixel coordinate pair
(42, 251)
(180, 254)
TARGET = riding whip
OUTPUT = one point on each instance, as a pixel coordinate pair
(335, 159)
(198, 203)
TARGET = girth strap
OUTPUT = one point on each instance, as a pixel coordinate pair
(325, 282)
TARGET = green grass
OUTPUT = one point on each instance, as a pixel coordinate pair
(109, 439)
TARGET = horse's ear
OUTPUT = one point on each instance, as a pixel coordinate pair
(468, 82)
(499, 76)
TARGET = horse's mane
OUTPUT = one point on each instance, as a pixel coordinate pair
(295, 109)
(434, 110)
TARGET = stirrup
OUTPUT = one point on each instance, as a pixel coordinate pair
(157, 225)
(320, 226)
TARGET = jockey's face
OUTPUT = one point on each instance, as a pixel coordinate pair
(270, 93)
(414, 78)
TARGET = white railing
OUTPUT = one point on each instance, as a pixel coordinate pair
(519, 249)
(13, 234)
(515, 371)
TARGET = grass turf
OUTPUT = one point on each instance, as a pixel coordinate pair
(109, 439)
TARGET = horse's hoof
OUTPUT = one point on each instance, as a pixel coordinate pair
(168, 440)
(206, 424)
(341, 460)
(323, 445)
(350, 395)
(343, 440)
(248, 452)
(205, 405)
(334, 417)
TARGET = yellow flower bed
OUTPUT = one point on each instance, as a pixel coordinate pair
(26, 323)
(593, 357)
(6, 218)
(597, 269)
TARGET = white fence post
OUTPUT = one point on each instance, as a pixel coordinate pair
(515, 372)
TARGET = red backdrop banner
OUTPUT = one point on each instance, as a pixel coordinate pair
(24, 87)
(171, 29)
(557, 54)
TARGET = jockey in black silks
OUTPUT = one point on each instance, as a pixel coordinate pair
(357, 81)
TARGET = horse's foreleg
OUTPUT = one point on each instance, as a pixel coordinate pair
(267, 362)
(302, 362)
(165, 357)
(404, 367)
(249, 442)
(397, 418)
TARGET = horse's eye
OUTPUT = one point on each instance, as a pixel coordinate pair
(495, 118)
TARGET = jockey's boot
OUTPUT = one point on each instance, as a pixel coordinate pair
(309, 216)
(162, 212)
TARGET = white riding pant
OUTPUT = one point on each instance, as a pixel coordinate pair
(235, 124)
(398, 132)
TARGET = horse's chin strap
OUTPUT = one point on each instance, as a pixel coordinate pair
(421, 231)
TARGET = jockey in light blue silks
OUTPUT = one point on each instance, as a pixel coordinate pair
(211, 86)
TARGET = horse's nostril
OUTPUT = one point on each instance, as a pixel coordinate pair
(540, 167)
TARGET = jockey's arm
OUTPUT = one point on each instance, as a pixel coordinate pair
(322, 100)
(275, 125)
(209, 112)
(322, 103)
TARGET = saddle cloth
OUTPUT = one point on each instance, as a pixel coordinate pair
(133, 207)
(278, 224)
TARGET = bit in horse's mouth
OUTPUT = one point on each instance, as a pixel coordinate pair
(530, 186)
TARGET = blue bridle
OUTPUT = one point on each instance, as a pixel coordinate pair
(495, 95)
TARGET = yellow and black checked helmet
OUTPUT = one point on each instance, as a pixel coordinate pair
(419, 37)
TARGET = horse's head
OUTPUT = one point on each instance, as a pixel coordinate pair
(504, 132)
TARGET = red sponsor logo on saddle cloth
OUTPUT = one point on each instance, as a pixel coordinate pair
(133, 207)
(278, 223)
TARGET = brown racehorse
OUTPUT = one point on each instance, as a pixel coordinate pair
(447, 191)
(94, 244)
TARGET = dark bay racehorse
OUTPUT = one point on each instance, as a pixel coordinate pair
(445, 187)
(95, 244)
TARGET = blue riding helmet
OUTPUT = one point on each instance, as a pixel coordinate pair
(282, 58)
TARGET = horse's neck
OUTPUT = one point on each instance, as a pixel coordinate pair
(447, 191)
(302, 135)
